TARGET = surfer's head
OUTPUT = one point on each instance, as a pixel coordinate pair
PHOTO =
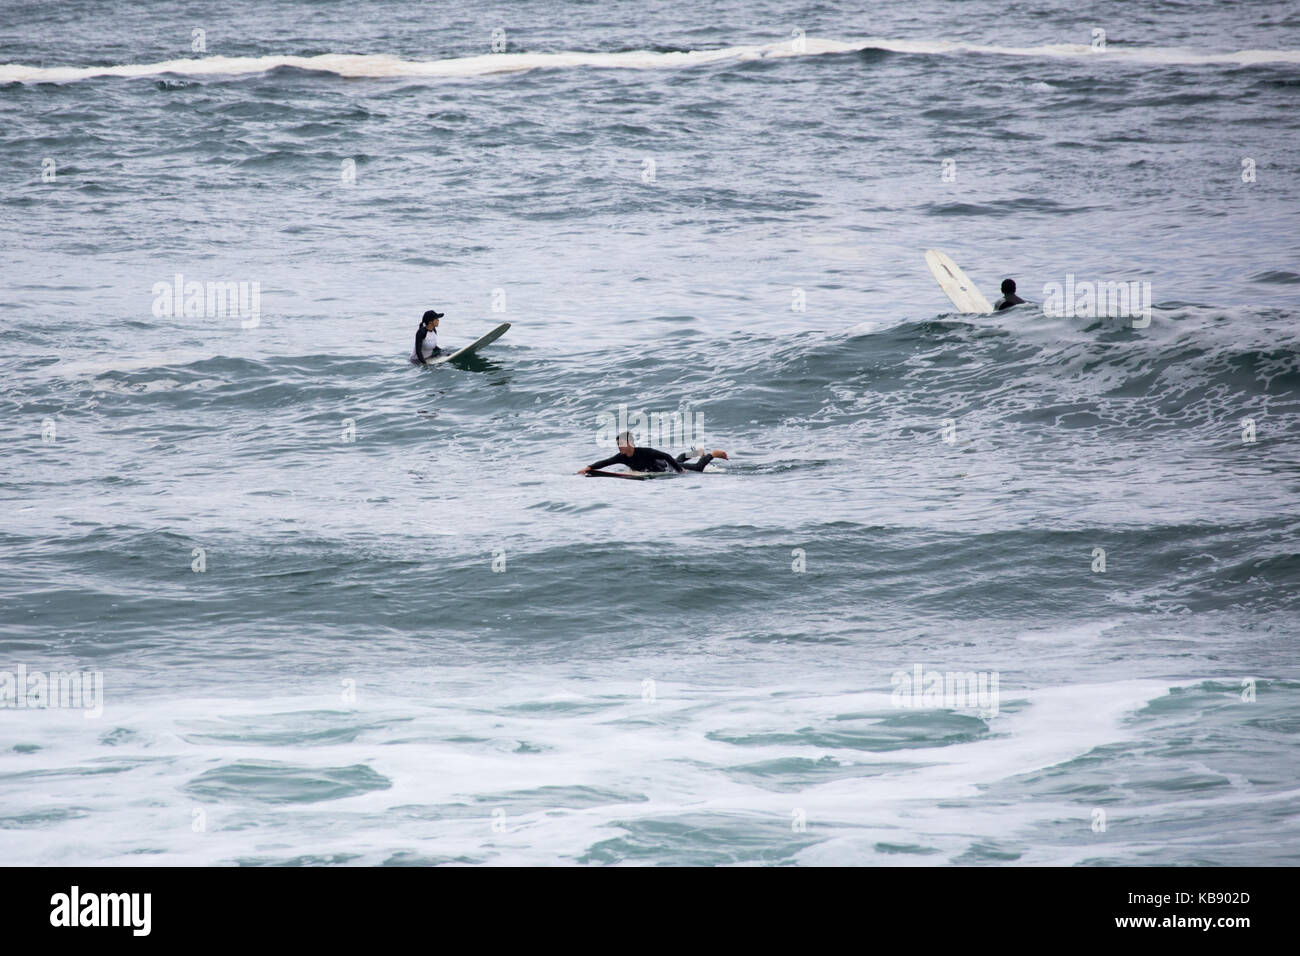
(431, 318)
(1008, 286)
(625, 443)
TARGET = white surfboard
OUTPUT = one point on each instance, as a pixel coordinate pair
(474, 346)
(965, 295)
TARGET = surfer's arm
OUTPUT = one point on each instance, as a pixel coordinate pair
(606, 462)
(419, 342)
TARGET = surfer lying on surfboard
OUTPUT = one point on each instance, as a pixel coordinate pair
(426, 338)
(652, 459)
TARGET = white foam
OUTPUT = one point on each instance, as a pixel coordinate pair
(80, 368)
(382, 65)
(451, 759)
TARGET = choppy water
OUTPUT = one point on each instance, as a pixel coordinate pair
(649, 679)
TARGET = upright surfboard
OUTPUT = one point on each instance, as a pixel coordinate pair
(956, 284)
(474, 346)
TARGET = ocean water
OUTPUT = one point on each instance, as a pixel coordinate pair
(349, 611)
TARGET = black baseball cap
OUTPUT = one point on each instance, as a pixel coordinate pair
(432, 315)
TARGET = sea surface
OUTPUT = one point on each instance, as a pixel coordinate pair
(344, 610)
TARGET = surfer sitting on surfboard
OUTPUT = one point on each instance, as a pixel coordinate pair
(651, 459)
(426, 338)
(1009, 297)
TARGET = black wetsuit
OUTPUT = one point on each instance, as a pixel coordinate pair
(420, 334)
(693, 465)
(651, 459)
(1007, 301)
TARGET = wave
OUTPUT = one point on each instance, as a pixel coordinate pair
(385, 66)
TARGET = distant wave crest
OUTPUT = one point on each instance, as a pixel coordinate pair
(381, 65)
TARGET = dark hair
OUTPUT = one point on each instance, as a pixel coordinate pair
(625, 438)
(1008, 286)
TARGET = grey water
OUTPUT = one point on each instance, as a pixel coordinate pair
(325, 607)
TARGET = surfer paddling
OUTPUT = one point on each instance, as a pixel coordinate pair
(1009, 297)
(652, 459)
(426, 338)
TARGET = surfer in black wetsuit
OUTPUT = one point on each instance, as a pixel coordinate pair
(1009, 297)
(651, 459)
(426, 338)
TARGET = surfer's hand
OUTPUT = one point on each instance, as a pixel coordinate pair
(583, 471)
